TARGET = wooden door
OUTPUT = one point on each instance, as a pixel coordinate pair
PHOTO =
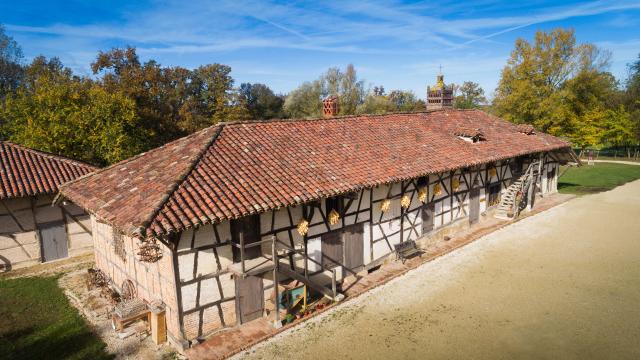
(249, 227)
(249, 298)
(54, 241)
(353, 238)
(474, 204)
(428, 211)
(332, 249)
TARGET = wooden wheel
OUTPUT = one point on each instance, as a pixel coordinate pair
(128, 290)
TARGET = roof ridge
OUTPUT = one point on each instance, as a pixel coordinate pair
(49, 154)
(285, 120)
(180, 179)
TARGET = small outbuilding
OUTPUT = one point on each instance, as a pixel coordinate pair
(31, 229)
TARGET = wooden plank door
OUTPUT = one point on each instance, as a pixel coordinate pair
(474, 204)
(353, 238)
(54, 241)
(249, 298)
(332, 249)
(428, 211)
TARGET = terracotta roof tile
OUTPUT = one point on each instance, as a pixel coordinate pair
(236, 169)
(28, 172)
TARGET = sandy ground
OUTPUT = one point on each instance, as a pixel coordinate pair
(563, 284)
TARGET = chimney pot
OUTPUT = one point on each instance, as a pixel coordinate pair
(330, 106)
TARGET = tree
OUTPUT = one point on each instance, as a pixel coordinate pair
(305, 101)
(471, 96)
(556, 85)
(397, 101)
(72, 116)
(632, 96)
(171, 101)
(11, 71)
(261, 102)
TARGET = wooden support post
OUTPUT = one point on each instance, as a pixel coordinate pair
(158, 325)
(242, 252)
(276, 322)
(333, 283)
(306, 259)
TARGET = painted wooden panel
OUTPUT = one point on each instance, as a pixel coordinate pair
(54, 241)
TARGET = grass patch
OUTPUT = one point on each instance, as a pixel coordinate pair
(37, 322)
(589, 179)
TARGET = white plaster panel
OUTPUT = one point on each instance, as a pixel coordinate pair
(25, 219)
(207, 263)
(185, 240)
(209, 291)
(7, 225)
(204, 236)
(224, 231)
(228, 285)
(314, 250)
(225, 255)
(380, 249)
(189, 295)
(185, 266)
(48, 214)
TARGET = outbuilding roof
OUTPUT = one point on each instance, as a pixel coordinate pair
(28, 172)
(236, 169)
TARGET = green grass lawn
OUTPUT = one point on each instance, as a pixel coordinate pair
(37, 322)
(589, 179)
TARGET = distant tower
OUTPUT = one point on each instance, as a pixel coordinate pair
(440, 96)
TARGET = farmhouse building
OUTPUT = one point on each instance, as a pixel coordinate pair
(208, 223)
(31, 230)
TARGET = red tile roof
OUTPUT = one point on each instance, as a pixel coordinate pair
(28, 172)
(236, 169)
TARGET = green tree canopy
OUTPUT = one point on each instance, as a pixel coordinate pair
(10, 64)
(72, 116)
(306, 100)
(560, 87)
(470, 96)
(261, 102)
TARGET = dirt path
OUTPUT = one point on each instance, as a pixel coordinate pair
(562, 284)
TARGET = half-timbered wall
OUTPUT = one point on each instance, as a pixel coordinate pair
(206, 289)
(153, 281)
(21, 220)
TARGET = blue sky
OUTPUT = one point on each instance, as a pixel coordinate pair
(396, 44)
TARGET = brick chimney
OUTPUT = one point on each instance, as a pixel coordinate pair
(330, 106)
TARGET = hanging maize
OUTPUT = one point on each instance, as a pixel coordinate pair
(422, 195)
(405, 201)
(333, 217)
(303, 227)
(385, 205)
(455, 184)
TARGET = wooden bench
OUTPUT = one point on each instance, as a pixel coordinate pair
(406, 249)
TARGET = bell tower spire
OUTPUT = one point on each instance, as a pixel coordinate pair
(440, 96)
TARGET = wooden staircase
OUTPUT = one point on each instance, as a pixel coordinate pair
(511, 200)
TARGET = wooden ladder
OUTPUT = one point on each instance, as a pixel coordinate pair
(511, 200)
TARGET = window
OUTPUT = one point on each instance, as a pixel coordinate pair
(249, 228)
(335, 203)
(494, 194)
(421, 182)
(118, 245)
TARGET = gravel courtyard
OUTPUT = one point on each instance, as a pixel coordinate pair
(563, 284)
